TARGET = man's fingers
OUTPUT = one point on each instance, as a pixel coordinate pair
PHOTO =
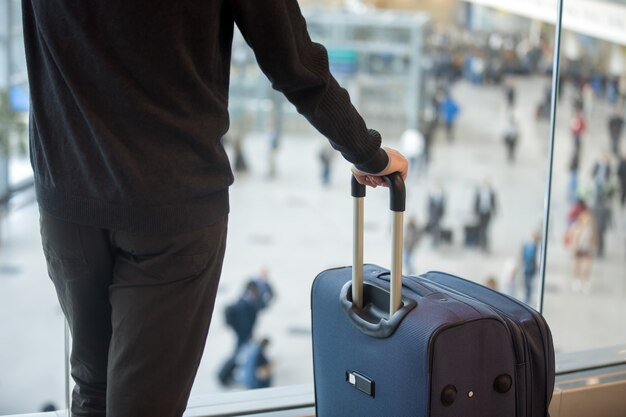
(377, 181)
(397, 163)
(371, 180)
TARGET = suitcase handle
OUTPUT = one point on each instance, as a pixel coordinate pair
(397, 202)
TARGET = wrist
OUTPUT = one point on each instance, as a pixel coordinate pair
(377, 163)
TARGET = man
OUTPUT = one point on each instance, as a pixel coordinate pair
(128, 108)
(530, 250)
(412, 236)
(436, 211)
(241, 317)
(510, 94)
(265, 289)
(601, 173)
(621, 175)
(511, 136)
(485, 209)
(616, 126)
(578, 126)
(449, 110)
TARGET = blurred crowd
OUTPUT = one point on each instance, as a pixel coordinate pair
(495, 60)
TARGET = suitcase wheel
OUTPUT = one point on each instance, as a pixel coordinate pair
(448, 395)
(503, 383)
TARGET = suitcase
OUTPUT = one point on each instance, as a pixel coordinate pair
(434, 345)
(446, 235)
(471, 236)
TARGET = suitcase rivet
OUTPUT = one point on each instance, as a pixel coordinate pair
(470, 394)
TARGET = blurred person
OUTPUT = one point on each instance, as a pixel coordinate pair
(578, 102)
(477, 69)
(583, 245)
(491, 282)
(587, 96)
(530, 263)
(435, 107)
(132, 179)
(274, 132)
(412, 145)
(601, 173)
(509, 274)
(412, 237)
(241, 164)
(449, 110)
(621, 89)
(611, 91)
(241, 317)
(428, 128)
(597, 81)
(467, 65)
(436, 211)
(510, 94)
(511, 136)
(572, 181)
(543, 108)
(256, 368)
(494, 70)
(621, 175)
(578, 207)
(616, 127)
(578, 126)
(602, 215)
(273, 142)
(264, 287)
(485, 207)
(326, 158)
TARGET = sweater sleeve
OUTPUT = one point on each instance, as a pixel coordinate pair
(276, 31)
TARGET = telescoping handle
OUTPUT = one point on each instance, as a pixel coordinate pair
(397, 202)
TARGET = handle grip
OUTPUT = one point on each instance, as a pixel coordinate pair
(397, 203)
(397, 191)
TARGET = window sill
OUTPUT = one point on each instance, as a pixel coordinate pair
(587, 383)
(290, 401)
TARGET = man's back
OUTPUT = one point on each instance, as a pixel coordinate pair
(129, 104)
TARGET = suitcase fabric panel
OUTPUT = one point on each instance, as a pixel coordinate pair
(340, 347)
(473, 371)
(535, 380)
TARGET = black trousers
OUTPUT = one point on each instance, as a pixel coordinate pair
(139, 309)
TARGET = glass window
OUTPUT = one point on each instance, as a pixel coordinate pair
(31, 322)
(464, 89)
(585, 289)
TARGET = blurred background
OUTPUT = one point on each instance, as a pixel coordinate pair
(463, 88)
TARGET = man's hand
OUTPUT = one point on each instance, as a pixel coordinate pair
(397, 163)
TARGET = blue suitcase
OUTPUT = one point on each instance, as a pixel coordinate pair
(436, 345)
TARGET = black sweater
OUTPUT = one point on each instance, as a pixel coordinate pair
(129, 103)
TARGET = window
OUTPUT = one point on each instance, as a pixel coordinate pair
(464, 89)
